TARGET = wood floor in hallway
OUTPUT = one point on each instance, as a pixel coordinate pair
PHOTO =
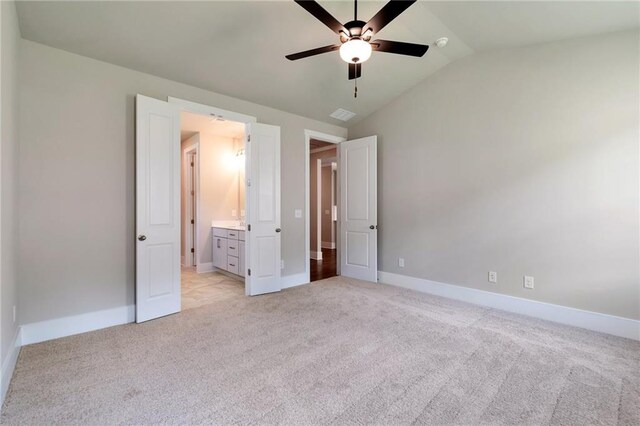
(325, 268)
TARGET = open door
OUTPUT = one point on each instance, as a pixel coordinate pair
(157, 208)
(358, 209)
(262, 173)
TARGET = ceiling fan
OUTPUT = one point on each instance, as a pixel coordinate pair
(356, 36)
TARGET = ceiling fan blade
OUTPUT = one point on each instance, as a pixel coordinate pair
(322, 15)
(399, 47)
(312, 52)
(388, 13)
(355, 71)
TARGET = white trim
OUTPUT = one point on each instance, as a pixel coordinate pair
(617, 326)
(211, 111)
(202, 268)
(9, 364)
(315, 255)
(328, 245)
(68, 326)
(295, 280)
(308, 135)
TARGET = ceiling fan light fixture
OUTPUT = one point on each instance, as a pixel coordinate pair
(355, 51)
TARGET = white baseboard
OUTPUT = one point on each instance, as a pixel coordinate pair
(204, 267)
(316, 255)
(61, 327)
(617, 326)
(328, 245)
(9, 364)
(288, 281)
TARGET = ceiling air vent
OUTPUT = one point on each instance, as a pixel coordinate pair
(343, 114)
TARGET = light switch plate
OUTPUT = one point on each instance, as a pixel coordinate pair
(234, 213)
(401, 262)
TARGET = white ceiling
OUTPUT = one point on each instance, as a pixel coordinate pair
(191, 124)
(237, 48)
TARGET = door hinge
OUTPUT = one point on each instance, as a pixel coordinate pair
(192, 164)
(192, 193)
(191, 250)
(248, 182)
(249, 272)
(192, 221)
(248, 138)
(248, 227)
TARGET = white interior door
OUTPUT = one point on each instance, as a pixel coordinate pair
(263, 210)
(157, 208)
(358, 209)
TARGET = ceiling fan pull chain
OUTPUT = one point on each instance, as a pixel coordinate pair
(355, 91)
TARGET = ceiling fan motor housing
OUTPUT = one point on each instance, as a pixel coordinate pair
(355, 30)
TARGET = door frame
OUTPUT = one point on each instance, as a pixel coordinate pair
(189, 236)
(196, 108)
(324, 137)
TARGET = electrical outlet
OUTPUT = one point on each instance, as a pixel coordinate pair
(401, 262)
(297, 213)
(15, 313)
(528, 282)
(234, 213)
(493, 277)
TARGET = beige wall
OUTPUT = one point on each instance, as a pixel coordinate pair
(9, 41)
(77, 163)
(520, 161)
(314, 196)
(218, 189)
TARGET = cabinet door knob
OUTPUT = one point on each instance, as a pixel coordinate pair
(142, 237)
(278, 229)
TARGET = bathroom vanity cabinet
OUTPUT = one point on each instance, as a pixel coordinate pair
(228, 249)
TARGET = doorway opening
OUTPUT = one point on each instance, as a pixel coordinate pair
(212, 209)
(322, 205)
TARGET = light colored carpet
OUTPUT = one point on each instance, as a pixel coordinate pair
(338, 351)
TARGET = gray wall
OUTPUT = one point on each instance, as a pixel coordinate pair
(77, 179)
(9, 38)
(520, 161)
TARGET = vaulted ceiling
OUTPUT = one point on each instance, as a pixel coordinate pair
(237, 48)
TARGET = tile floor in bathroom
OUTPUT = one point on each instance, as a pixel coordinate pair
(202, 289)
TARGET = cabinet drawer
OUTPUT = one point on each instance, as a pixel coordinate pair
(232, 264)
(220, 232)
(232, 234)
(241, 235)
(233, 249)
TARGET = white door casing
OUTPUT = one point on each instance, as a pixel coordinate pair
(157, 208)
(358, 209)
(262, 172)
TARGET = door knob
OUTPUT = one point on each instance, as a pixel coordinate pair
(278, 229)
(372, 227)
(142, 237)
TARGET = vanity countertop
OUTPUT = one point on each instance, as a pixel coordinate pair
(228, 225)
